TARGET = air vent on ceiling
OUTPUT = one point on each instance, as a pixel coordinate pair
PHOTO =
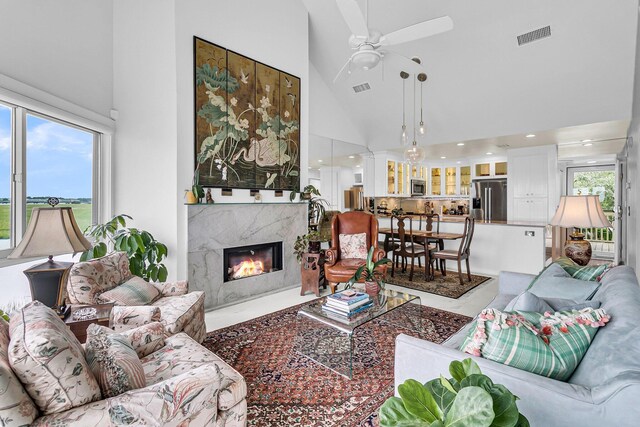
(534, 35)
(361, 87)
(503, 146)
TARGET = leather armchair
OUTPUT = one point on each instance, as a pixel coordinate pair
(338, 269)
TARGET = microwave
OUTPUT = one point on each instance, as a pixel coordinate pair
(418, 187)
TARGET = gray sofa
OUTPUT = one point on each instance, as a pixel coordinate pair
(603, 391)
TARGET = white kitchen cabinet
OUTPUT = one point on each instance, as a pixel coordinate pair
(490, 169)
(529, 176)
(532, 209)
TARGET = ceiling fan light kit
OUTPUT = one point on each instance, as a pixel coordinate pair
(367, 42)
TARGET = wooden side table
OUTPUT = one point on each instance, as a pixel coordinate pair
(79, 327)
(312, 269)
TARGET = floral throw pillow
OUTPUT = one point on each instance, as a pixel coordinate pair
(113, 361)
(353, 245)
(135, 291)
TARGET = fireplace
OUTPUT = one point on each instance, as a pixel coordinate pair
(253, 260)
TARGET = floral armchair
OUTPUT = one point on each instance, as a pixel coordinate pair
(108, 279)
(185, 384)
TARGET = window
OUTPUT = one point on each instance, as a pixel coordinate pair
(42, 157)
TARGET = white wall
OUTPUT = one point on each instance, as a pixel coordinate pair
(62, 47)
(274, 32)
(633, 175)
(328, 117)
(146, 148)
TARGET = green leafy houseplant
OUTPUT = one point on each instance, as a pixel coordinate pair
(145, 253)
(4, 315)
(469, 399)
(196, 188)
(368, 270)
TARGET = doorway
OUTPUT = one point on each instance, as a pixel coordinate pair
(601, 181)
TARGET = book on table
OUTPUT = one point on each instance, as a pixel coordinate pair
(347, 297)
(345, 307)
(347, 313)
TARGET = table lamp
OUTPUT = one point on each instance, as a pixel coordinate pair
(579, 212)
(51, 231)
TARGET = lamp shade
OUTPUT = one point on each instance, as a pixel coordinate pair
(581, 212)
(51, 231)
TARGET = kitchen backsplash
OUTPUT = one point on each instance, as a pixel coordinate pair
(421, 205)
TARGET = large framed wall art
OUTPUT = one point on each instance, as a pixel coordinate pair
(247, 121)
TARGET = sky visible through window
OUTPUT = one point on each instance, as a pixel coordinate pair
(59, 158)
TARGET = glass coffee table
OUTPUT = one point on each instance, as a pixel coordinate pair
(328, 338)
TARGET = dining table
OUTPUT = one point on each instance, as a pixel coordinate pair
(424, 234)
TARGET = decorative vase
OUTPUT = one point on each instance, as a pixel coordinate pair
(372, 288)
(191, 198)
(577, 249)
(314, 247)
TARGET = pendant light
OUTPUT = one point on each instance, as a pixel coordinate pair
(404, 139)
(415, 154)
(422, 77)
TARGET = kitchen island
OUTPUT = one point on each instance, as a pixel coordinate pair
(496, 246)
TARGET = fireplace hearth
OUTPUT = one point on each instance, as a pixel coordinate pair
(253, 260)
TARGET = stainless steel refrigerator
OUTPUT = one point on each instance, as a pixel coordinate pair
(490, 199)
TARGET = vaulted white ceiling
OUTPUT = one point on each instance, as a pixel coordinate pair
(481, 83)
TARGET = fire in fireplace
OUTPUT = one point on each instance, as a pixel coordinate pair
(247, 261)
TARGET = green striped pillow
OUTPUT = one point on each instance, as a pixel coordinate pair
(588, 272)
(549, 344)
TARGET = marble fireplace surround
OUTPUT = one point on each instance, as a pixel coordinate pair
(211, 228)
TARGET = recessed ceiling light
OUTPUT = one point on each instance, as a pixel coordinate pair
(310, 167)
(357, 166)
(320, 161)
(489, 153)
(531, 135)
(352, 157)
(458, 162)
(586, 140)
(460, 144)
(587, 144)
(443, 157)
(591, 162)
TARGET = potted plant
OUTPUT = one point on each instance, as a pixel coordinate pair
(468, 399)
(197, 191)
(309, 242)
(372, 280)
(317, 205)
(145, 253)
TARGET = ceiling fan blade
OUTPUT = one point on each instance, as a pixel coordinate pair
(401, 63)
(341, 72)
(417, 31)
(353, 16)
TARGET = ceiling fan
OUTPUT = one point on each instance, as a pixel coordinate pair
(367, 42)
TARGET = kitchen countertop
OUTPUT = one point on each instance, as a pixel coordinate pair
(461, 218)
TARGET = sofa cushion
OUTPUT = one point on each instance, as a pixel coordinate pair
(146, 339)
(587, 272)
(527, 301)
(177, 311)
(89, 279)
(123, 318)
(16, 407)
(113, 361)
(547, 344)
(135, 291)
(49, 360)
(555, 282)
(353, 245)
(182, 354)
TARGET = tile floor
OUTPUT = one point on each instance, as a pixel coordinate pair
(469, 304)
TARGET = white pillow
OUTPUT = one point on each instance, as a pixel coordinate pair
(353, 246)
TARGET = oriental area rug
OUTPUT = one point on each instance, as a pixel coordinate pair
(286, 388)
(446, 286)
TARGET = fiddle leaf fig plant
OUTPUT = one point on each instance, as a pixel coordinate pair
(468, 399)
(145, 253)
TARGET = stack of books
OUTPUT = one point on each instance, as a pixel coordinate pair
(347, 303)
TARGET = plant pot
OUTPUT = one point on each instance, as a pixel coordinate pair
(314, 247)
(191, 198)
(372, 288)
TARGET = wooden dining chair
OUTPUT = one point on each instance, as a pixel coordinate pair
(461, 254)
(407, 246)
